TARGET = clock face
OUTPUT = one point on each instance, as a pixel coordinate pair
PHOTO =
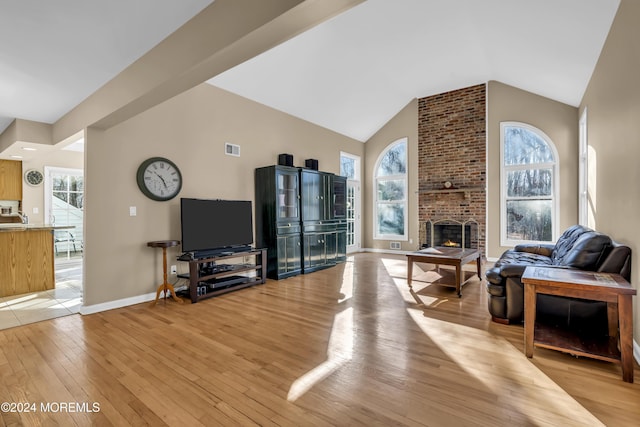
(447, 184)
(159, 179)
(33, 177)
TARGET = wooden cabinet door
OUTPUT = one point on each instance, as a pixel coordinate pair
(10, 180)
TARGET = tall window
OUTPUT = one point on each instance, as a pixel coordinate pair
(528, 185)
(391, 192)
(350, 167)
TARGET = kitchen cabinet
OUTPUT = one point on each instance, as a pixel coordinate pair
(10, 180)
(26, 260)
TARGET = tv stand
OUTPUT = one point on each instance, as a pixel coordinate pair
(210, 276)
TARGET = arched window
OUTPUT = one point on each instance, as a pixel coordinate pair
(391, 192)
(528, 190)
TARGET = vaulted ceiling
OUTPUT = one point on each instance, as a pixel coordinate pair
(350, 74)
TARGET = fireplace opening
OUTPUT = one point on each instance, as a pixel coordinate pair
(450, 233)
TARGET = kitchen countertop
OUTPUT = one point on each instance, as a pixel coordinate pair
(10, 227)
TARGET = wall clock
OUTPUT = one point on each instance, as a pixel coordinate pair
(159, 179)
(33, 177)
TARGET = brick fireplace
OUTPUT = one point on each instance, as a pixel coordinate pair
(452, 149)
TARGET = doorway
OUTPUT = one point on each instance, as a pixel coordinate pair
(350, 167)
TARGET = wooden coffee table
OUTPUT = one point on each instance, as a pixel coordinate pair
(456, 257)
(610, 288)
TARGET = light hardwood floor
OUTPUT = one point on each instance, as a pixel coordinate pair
(344, 346)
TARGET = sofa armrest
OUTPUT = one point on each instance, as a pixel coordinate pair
(538, 249)
(512, 270)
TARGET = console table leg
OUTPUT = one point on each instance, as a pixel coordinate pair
(625, 319)
(529, 317)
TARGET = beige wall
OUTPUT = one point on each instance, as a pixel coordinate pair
(404, 124)
(559, 121)
(612, 100)
(191, 130)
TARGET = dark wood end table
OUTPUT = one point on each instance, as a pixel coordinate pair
(456, 257)
(165, 286)
(610, 288)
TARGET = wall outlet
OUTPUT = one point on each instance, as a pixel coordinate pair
(174, 269)
(395, 245)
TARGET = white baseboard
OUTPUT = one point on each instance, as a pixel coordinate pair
(636, 351)
(386, 251)
(96, 308)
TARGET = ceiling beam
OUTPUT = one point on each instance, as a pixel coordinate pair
(225, 34)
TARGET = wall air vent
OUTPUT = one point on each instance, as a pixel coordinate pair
(395, 245)
(231, 149)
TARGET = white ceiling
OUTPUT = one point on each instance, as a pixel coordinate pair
(350, 74)
(355, 72)
(54, 54)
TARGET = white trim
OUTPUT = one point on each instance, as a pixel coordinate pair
(583, 170)
(555, 196)
(356, 182)
(386, 251)
(405, 177)
(111, 305)
(636, 351)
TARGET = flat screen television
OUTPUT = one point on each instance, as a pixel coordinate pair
(214, 226)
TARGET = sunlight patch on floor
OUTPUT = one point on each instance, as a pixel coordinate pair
(506, 372)
(339, 352)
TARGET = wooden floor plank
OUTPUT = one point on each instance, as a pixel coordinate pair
(350, 345)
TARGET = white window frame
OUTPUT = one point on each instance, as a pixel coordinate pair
(404, 177)
(356, 160)
(583, 171)
(555, 193)
(355, 184)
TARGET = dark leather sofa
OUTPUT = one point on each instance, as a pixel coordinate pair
(578, 248)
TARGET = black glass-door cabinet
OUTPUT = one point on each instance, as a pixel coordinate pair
(277, 213)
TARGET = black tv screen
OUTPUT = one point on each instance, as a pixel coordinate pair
(215, 224)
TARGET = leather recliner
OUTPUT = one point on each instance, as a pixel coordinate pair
(578, 248)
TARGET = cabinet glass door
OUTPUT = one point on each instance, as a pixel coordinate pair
(312, 197)
(288, 254)
(287, 205)
(339, 197)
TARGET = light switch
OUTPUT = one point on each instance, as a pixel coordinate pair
(36, 210)
(132, 211)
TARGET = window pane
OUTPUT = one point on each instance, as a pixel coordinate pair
(348, 167)
(59, 183)
(391, 218)
(391, 190)
(61, 196)
(394, 161)
(529, 220)
(76, 199)
(524, 147)
(529, 182)
(76, 183)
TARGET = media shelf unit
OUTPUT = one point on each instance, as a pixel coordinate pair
(223, 278)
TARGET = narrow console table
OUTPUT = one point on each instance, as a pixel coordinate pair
(610, 288)
(165, 286)
(211, 276)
